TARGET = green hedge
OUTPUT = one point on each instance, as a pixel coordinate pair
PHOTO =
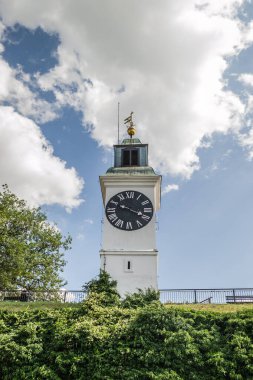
(115, 342)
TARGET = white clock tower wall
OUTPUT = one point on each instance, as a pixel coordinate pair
(141, 275)
(130, 255)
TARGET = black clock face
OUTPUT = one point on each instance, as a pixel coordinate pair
(129, 210)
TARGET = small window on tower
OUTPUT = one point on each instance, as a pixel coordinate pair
(134, 158)
(128, 265)
(126, 158)
(130, 157)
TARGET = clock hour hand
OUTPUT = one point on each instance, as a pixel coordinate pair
(127, 208)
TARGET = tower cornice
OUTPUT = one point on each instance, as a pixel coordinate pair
(126, 181)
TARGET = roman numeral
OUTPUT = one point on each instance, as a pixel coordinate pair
(145, 202)
(115, 203)
(130, 195)
(110, 209)
(129, 226)
(121, 197)
(145, 217)
(139, 224)
(112, 217)
(119, 223)
(147, 209)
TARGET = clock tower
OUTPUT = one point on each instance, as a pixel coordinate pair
(131, 192)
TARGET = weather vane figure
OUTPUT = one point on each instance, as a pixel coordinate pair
(130, 125)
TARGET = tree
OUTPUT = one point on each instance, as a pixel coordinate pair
(103, 288)
(31, 248)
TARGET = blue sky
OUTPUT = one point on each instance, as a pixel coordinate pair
(186, 70)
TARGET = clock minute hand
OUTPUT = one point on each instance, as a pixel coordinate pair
(127, 208)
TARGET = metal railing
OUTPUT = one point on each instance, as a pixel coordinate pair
(73, 296)
(217, 296)
(167, 296)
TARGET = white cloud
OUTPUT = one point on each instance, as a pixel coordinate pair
(88, 221)
(1, 33)
(27, 163)
(167, 189)
(246, 141)
(245, 137)
(170, 56)
(17, 93)
(80, 236)
(246, 79)
(28, 166)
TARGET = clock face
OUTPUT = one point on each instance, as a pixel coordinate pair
(129, 210)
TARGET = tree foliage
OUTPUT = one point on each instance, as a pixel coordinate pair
(153, 342)
(103, 288)
(31, 249)
(141, 298)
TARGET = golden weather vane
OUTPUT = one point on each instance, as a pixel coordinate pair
(130, 125)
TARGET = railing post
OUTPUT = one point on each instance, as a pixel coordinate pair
(234, 295)
(195, 296)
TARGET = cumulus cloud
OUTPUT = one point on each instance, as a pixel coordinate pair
(88, 221)
(245, 137)
(15, 92)
(2, 27)
(164, 60)
(246, 140)
(28, 166)
(27, 162)
(167, 189)
(246, 78)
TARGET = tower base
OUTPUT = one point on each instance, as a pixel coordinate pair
(132, 270)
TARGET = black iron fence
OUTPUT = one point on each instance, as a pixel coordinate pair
(173, 296)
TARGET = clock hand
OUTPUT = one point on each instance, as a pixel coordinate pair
(127, 208)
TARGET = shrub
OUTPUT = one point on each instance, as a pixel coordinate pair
(103, 289)
(141, 298)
